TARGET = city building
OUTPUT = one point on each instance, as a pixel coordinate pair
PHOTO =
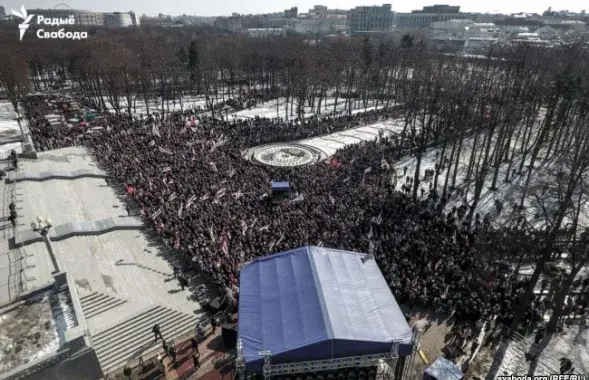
(510, 24)
(566, 25)
(120, 20)
(424, 18)
(2, 11)
(321, 25)
(265, 32)
(322, 10)
(547, 33)
(371, 19)
(478, 45)
(291, 13)
(464, 29)
(89, 18)
(229, 24)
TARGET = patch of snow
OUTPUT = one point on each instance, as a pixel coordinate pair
(268, 109)
(329, 144)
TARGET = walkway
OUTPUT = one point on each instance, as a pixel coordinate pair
(312, 150)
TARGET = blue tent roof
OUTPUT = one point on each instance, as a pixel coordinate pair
(315, 303)
(278, 186)
(443, 369)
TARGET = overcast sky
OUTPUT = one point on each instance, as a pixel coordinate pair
(225, 7)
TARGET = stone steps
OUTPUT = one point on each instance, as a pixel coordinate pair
(63, 310)
(117, 345)
(97, 303)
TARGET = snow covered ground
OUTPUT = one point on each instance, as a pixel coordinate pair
(269, 110)
(329, 144)
(8, 127)
(139, 108)
(510, 357)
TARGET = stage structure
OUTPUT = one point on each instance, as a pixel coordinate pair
(317, 309)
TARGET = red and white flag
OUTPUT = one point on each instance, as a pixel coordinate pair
(224, 244)
(243, 227)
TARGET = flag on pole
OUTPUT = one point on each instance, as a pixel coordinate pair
(224, 243)
(180, 210)
(377, 220)
(155, 130)
(211, 234)
(190, 200)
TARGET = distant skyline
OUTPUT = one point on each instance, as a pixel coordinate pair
(226, 7)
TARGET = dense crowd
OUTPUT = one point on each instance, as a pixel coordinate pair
(204, 200)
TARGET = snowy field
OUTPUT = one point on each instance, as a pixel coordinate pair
(329, 144)
(270, 110)
(8, 127)
(509, 192)
(186, 102)
(510, 358)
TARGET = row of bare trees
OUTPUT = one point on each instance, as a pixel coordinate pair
(517, 115)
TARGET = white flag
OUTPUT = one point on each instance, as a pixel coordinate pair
(211, 234)
(155, 130)
(190, 200)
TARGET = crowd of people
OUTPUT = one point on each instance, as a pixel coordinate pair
(204, 200)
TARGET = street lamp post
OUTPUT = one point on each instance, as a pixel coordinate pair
(42, 226)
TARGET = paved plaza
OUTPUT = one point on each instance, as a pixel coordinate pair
(123, 277)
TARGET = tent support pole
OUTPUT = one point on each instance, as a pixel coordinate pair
(239, 361)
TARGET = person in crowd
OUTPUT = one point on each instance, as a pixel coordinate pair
(157, 332)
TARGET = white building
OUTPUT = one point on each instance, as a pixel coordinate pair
(547, 33)
(120, 20)
(265, 32)
(462, 29)
(321, 25)
(474, 45)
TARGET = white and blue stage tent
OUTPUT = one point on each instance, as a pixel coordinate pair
(315, 303)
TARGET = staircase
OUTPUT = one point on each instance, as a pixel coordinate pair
(97, 303)
(116, 345)
(63, 311)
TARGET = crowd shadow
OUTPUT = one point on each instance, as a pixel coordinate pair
(122, 263)
(498, 359)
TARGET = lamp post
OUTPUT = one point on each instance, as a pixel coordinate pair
(42, 226)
